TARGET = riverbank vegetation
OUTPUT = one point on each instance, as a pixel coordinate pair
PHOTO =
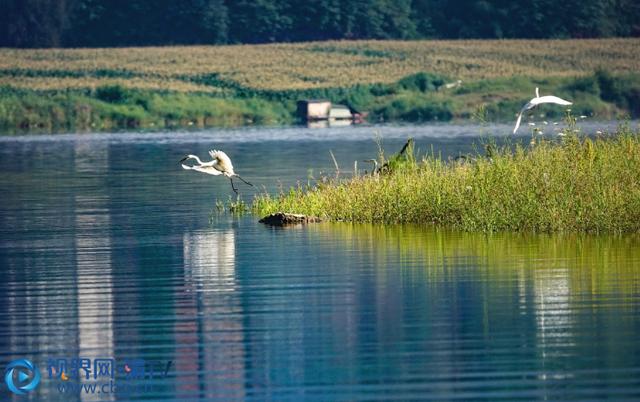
(93, 89)
(571, 183)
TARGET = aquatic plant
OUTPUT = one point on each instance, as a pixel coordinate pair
(572, 183)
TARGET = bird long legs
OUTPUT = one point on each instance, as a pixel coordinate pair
(246, 182)
(235, 190)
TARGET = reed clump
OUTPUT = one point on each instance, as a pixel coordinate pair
(569, 184)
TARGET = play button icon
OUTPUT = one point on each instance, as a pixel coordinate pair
(21, 376)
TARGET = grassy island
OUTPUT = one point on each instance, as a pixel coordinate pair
(567, 184)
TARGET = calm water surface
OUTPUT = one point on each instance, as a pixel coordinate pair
(108, 249)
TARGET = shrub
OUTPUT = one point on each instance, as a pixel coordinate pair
(422, 82)
(112, 94)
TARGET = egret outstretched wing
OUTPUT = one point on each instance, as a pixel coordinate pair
(553, 99)
(537, 101)
(203, 169)
(526, 107)
(222, 162)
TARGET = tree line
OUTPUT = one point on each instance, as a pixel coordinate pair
(98, 23)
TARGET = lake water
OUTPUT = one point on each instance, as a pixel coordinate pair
(109, 250)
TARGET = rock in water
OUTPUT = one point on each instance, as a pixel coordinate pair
(282, 219)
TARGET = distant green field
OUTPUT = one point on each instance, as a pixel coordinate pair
(57, 89)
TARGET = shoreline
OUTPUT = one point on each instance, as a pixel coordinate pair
(298, 132)
(103, 89)
(116, 108)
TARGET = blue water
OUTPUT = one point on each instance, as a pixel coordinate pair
(108, 249)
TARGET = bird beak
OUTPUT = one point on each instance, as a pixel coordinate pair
(184, 159)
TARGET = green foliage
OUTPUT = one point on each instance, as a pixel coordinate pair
(238, 207)
(117, 107)
(234, 206)
(422, 82)
(571, 184)
(624, 91)
(414, 107)
(585, 85)
(112, 94)
(416, 98)
(404, 160)
(259, 21)
(82, 23)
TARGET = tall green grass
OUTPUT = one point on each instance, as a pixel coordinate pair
(571, 184)
(114, 106)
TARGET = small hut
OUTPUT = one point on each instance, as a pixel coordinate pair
(314, 109)
(322, 109)
(340, 112)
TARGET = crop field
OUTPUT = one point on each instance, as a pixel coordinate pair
(278, 67)
(45, 83)
(101, 89)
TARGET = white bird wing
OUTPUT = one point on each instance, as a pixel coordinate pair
(524, 108)
(203, 169)
(537, 101)
(223, 161)
(553, 99)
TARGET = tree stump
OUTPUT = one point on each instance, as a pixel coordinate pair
(283, 219)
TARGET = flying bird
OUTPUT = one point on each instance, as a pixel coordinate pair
(221, 164)
(537, 101)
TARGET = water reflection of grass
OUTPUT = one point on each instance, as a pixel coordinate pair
(591, 265)
(577, 184)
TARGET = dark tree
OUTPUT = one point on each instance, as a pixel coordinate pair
(33, 23)
(315, 20)
(258, 21)
(51, 23)
(195, 22)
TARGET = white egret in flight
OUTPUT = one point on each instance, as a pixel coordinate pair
(535, 102)
(221, 164)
